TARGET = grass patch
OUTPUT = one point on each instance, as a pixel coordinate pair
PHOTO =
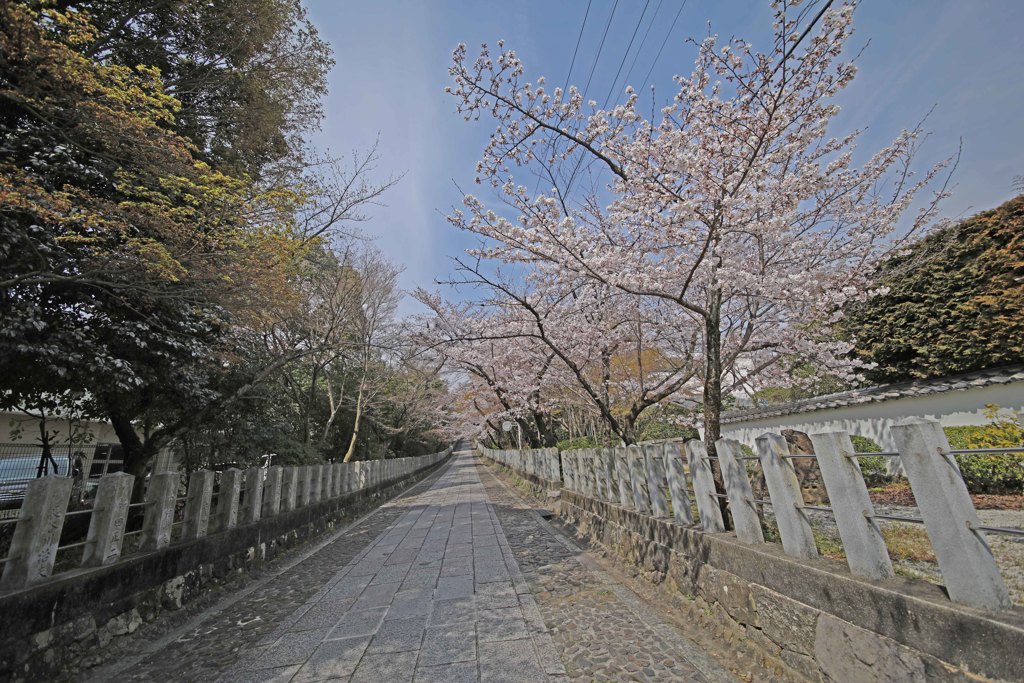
(907, 543)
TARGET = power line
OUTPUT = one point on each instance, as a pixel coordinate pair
(565, 87)
(629, 47)
(663, 43)
(599, 48)
(643, 40)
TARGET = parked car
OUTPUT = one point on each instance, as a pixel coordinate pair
(18, 470)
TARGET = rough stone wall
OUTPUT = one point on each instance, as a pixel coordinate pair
(822, 623)
(65, 624)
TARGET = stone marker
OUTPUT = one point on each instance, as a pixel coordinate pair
(226, 514)
(36, 534)
(161, 499)
(198, 503)
(272, 491)
(290, 488)
(254, 477)
(622, 474)
(107, 522)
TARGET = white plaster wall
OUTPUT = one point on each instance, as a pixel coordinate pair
(872, 420)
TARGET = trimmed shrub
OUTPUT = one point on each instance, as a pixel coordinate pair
(994, 472)
(873, 468)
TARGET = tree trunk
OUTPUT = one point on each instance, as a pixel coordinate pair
(355, 426)
(136, 452)
(713, 394)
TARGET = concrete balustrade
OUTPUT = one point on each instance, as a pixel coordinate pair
(741, 498)
(243, 497)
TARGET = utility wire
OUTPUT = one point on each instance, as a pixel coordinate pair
(611, 90)
(663, 43)
(643, 41)
(599, 48)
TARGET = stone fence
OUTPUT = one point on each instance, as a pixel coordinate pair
(663, 512)
(65, 614)
(240, 497)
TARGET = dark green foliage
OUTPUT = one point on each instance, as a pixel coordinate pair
(873, 468)
(955, 302)
(997, 472)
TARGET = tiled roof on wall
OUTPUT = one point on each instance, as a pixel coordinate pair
(884, 392)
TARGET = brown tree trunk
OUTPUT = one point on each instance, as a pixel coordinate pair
(713, 394)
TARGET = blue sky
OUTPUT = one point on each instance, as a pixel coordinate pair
(965, 58)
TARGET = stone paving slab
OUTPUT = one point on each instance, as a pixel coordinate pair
(456, 582)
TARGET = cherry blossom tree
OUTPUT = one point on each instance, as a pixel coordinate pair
(734, 204)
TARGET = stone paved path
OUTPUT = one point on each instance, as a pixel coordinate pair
(439, 595)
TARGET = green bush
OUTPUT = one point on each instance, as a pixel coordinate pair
(578, 442)
(872, 468)
(995, 472)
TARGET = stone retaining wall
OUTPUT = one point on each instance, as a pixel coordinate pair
(52, 626)
(821, 621)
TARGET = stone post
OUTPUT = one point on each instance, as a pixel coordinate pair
(622, 474)
(704, 494)
(161, 499)
(328, 482)
(741, 496)
(968, 569)
(338, 486)
(569, 469)
(638, 479)
(253, 494)
(305, 486)
(226, 514)
(37, 532)
(272, 492)
(290, 488)
(606, 463)
(654, 461)
(198, 504)
(109, 516)
(787, 501)
(316, 477)
(677, 485)
(854, 514)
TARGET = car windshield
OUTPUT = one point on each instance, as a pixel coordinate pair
(21, 467)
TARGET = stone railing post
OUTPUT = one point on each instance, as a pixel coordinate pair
(854, 514)
(677, 485)
(654, 461)
(741, 497)
(161, 499)
(704, 493)
(290, 488)
(305, 486)
(606, 466)
(272, 492)
(787, 501)
(226, 514)
(37, 532)
(638, 479)
(625, 481)
(965, 559)
(328, 482)
(253, 494)
(569, 469)
(109, 516)
(198, 503)
(339, 480)
(316, 473)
